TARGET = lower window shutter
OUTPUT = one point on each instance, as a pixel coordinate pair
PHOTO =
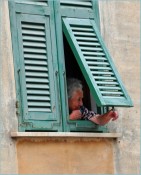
(95, 62)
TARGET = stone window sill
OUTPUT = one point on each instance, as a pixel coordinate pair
(64, 134)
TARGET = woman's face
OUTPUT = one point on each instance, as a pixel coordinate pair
(76, 100)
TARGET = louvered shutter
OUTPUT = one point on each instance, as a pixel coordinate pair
(95, 62)
(36, 69)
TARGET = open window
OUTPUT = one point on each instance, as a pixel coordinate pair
(73, 71)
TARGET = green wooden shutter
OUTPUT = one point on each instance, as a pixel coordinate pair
(36, 69)
(95, 62)
(72, 9)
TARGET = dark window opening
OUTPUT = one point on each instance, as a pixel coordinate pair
(73, 71)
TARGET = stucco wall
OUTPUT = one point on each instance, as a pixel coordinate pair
(65, 156)
(120, 26)
(8, 120)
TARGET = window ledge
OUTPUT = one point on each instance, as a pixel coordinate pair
(64, 134)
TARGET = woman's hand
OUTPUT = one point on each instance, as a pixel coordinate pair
(105, 118)
(75, 115)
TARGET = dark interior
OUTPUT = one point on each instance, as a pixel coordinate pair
(73, 71)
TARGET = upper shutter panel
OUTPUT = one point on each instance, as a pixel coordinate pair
(95, 62)
(76, 8)
(85, 4)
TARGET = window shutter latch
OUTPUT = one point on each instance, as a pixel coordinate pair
(113, 109)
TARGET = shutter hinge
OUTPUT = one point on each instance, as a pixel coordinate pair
(17, 104)
(18, 12)
(17, 108)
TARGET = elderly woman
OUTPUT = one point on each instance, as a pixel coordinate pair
(78, 111)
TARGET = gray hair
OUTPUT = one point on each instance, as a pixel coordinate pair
(73, 85)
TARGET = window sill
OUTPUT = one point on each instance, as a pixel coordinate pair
(64, 134)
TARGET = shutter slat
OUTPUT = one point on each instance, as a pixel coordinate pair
(86, 39)
(35, 56)
(34, 50)
(80, 43)
(33, 32)
(33, 38)
(35, 2)
(39, 109)
(104, 77)
(111, 93)
(36, 68)
(102, 73)
(37, 80)
(41, 104)
(32, 26)
(85, 34)
(82, 29)
(109, 87)
(97, 63)
(93, 53)
(106, 83)
(35, 74)
(37, 92)
(36, 86)
(38, 98)
(95, 58)
(33, 44)
(76, 3)
(90, 49)
(115, 97)
(32, 62)
(99, 68)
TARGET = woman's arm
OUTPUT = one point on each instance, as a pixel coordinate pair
(75, 115)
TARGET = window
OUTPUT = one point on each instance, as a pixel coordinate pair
(42, 31)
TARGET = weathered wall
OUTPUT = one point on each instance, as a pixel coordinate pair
(65, 156)
(120, 26)
(8, 163)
